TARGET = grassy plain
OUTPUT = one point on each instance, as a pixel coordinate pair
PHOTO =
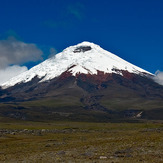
(22, 141)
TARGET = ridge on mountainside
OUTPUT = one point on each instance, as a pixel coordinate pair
(84, 58)
(83, 83)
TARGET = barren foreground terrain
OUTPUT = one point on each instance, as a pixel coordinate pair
(81, 142)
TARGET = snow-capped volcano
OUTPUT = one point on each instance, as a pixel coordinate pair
(83, 82)
(83, 58)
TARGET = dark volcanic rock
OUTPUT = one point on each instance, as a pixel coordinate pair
(82, 49)
(83, 95)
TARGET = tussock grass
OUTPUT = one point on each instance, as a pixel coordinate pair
(82, 142)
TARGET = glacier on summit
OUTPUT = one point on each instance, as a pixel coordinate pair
(86, 58)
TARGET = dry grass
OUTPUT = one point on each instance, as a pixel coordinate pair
(82, 142)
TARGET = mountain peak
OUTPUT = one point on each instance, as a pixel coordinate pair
(83, 58)
(85, 46)
(82, 47)
(86, 43)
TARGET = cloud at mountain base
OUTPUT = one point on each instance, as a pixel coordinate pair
(11, 71)
(158, 77)
(13, 54)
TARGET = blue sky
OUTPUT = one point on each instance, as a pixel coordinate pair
(131, 29)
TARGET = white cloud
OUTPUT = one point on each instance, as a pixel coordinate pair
(158, 77)
(11, 71)
(13, 51)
